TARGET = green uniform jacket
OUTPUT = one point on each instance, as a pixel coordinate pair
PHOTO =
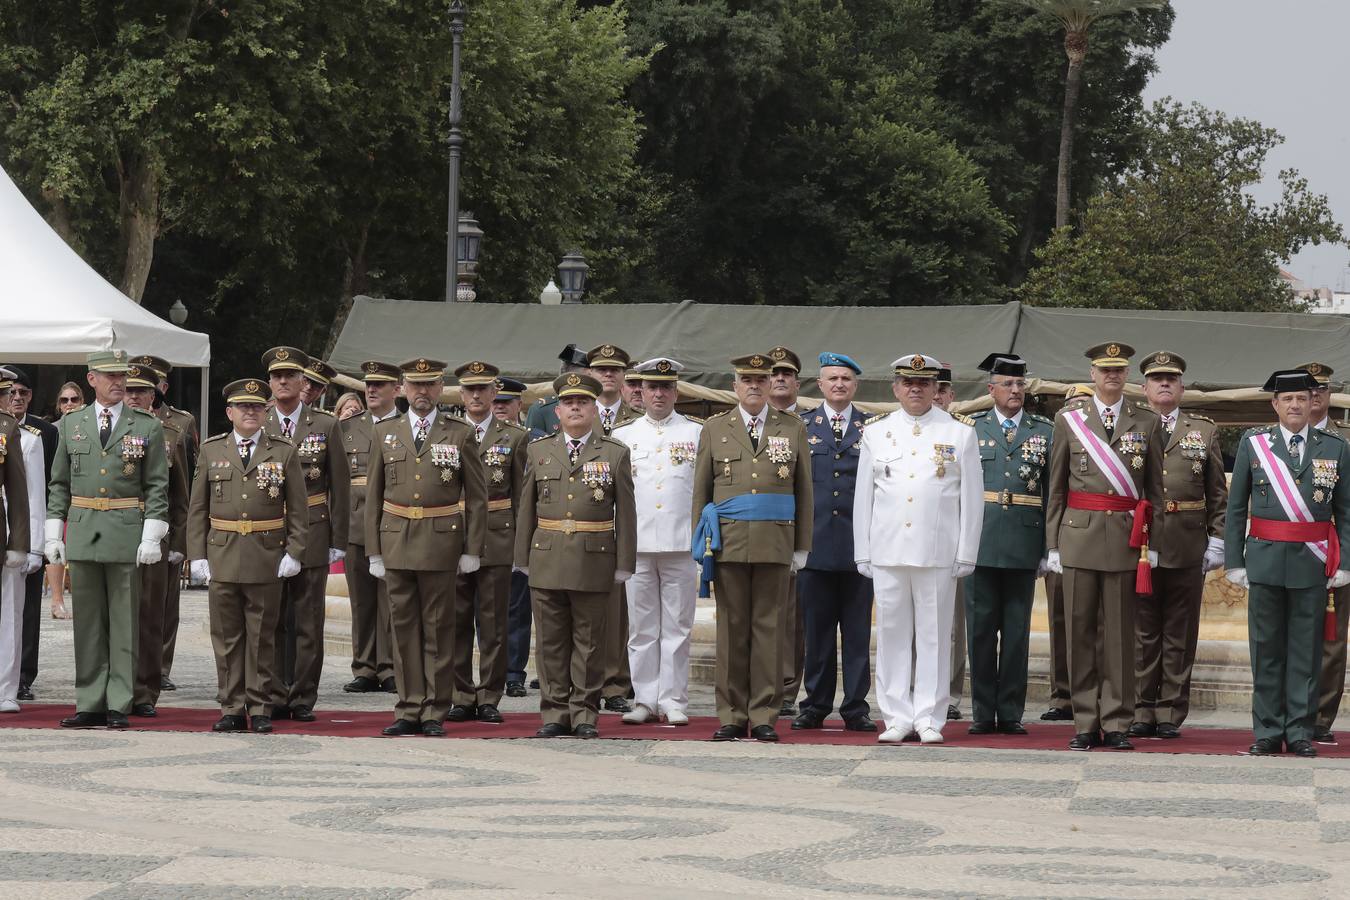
(410, 478)
(14, 534)
(503, 452)
(1284, 563)
(727, 465)
(224, 489)
(599, 488)
(133, 465)
(541, 419)
(318, 445)
(1013, 534)
(1192, 474)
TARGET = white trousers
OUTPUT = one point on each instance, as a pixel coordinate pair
(662, 595)
(914, 634)
(11, 631)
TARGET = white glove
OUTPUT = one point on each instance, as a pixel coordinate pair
(468, 564)
(1153, 559)
(1052, 563)
(1213, 555)
(377, 566)
(288, 567)
(1340, 579)
(620, 576)
(798, 560)
(961, 570)
(865, 569)
(1237, 576)
(199, 570)
(175, 557)
(15, 559)
(1042, 567)
(54, 546)
(31, 564)
(334, 554)
(152, 532)
(524, 570)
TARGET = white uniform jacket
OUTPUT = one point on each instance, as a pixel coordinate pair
(663, 480)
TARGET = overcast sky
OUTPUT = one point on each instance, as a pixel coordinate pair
(1276, 63)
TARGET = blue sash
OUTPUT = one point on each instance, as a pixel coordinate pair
(742, 508)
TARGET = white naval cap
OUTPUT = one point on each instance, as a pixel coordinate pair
(916, 365)
(662, 368)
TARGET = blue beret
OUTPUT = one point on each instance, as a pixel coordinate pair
(839, 359)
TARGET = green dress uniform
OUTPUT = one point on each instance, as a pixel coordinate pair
(105, 491)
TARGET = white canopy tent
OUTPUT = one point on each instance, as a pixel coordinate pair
(56, 309)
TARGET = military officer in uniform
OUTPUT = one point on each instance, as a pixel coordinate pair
(1188, 534)
(1014, 452)
(299, 646)
(318, 375)
(25, 443)
(1105, 486)
(426, 520)
(542, 418)
(784, 386)
(632, 390)
(1288, 517)
(576, 537)
(372, 635)
(506, 406)
(141, 394)
(482, 597)
(246, 528)
(917, 513)
(752, 504)
(109, 485)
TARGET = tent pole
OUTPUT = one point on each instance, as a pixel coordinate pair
(206, 390)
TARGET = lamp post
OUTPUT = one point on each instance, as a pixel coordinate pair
(458, 14)
(572, 273)
(467, 245)
(178, 315)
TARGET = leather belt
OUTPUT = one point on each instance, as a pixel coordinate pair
(496, 505)
(358, 481)
(1183, 505)
(422, 512)
(247, 526)
(103, 504)
(317, 500)
(1008, 498)
(570, 526)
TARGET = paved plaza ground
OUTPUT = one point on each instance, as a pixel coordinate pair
(125, 815)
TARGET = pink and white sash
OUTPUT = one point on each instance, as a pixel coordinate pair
(1106, 459)
(1282, 481)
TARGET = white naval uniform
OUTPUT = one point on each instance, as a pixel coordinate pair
(12, 580)
(663, 591)
(913, 526)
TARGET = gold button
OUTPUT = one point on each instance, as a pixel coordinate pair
(1164, 471)
(243, 515)
(907, 524)
(103, 490)
(105, 452)
(572, 479)
(909, 500)
(103, 471)
(417, 496)
(836, 493)
(836, 474)
(1110, 491)
(753, 491)
(243, 496)
(836, 512)
(1108, 513)
(569, 496)
(658, 506)
(754, 474)
(569, 515)
(658, 468)
(417, 477)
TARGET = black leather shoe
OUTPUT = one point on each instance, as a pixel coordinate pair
(459, 713)
(489, 713)
(1304, 749)
(1323, 736)
(807, 721)
(534, 683)
(981, 727)
(861, 723)
(389, 685)
(1011, 728)
(787, 710)
(1142, 730)
(953, 713)
(230, 723)
(1265, 747)
(729, 733)
(764, 733)
(85, 720)
(586, 731)
(1116, 740)
(1168, 731)
(361, 684)
(302, 714)
(553, 729)
(433, 729)
(167, 685)
(25, 693)
(144, 710)
(281, 712)
(117, 719)
(617, 704)
(1055, 714)
(515, 689)
(261, 724)
(1084, 741)
(402, 728)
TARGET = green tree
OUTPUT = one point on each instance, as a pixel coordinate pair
(1179, 229)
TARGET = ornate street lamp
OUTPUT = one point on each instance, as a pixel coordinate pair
(458, 14)
(572, 273)
(468, 244)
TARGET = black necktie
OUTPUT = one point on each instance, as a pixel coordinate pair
(104, 427)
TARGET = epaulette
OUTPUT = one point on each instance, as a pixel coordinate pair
(613, 440)
(321, 412)
(5, 415)
(725, 412)
(877, 418)
(144, 412)
(1141, 406)
(964, 420)
(694, 419)
(1076, 402)
(280, 439)
(216, 437)
(546, 437)
(1201, 418)
(1332, 432)
(32, 429)
(975, 415)
(1042, 419)
(514, 425)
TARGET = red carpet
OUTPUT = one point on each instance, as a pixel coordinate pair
(1212, 741)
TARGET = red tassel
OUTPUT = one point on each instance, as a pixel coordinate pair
(1329, 620)
(1143, 578)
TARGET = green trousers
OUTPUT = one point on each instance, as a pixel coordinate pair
(1284, 627)
(998, 629)
(106, 597)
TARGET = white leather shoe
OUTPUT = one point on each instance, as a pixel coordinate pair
(638, 715)
(930, 736)
(891, 736)
(675, 717)
(9, 706)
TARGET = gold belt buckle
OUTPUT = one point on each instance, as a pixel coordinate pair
(415, 512)
(569, 526)
(245, 526)
(1005, 498)
(102, 504)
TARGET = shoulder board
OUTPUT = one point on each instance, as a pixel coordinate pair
(877, 418)
(975, 415)
(1332, 432)
(143, 412)
(722, 414)
(1199, 418)
(1042, 419)
(322, 413)
(546, 437)
(6, 417)
(515, 425)
(964, 420)
(33, 429)
(1076, 402)
(613, 440)
(694, 419)
(1142, 407)
(289, 442)
(216, 437)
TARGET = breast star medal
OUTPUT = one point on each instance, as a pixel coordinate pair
(128, 469)
(446, 475)
(1136, 462)
(274, 492)
(783, 472)
(1319, 496)
(313, 473)
(498, 476)
(598, 494)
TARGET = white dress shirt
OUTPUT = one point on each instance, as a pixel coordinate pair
(115, 410)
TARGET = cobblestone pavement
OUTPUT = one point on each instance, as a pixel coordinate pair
(198, 815)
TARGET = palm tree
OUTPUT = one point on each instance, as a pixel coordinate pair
(1077, 17)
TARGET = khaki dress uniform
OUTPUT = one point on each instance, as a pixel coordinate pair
(15, 529)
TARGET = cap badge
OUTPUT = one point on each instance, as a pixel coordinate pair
(607, 351)
(663, 366)
(573, 380)
(1112, 349)
(1162, 359)
(916, 362)
(1315, 369)
(756, 361)
(134, 371)
(475, 367)
(119, 355)
(422, 366)
(778, 353)
(283, 354)
(372, 367)
(252, 387)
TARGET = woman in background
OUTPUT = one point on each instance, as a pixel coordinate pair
(348, 405)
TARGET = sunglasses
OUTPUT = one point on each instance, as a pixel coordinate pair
(68, 400)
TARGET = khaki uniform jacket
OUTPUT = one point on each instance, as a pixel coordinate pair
(317, 444)
(1195, 493)
(224, 489)
(599, 488)
(14, 534)
(503, 452)
(186, 423)
(727, 465)
(1101, 540)
(175, 447)
(417, 480)
(356, 444)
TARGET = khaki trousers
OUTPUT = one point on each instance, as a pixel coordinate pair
(1331, 678)
(480, 606)
(243, 635)
(299, 641)
(150, 631)
(793, 653)
(422, 612)
(1167, 631)
(569, 627)
(106, 597)
(749, 674)
(372, 636)
(618, 680)
(1101, 666)
(172, 600)
(1059, 642)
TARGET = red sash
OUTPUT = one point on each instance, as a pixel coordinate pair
(1301, 533)
(1143, 518)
